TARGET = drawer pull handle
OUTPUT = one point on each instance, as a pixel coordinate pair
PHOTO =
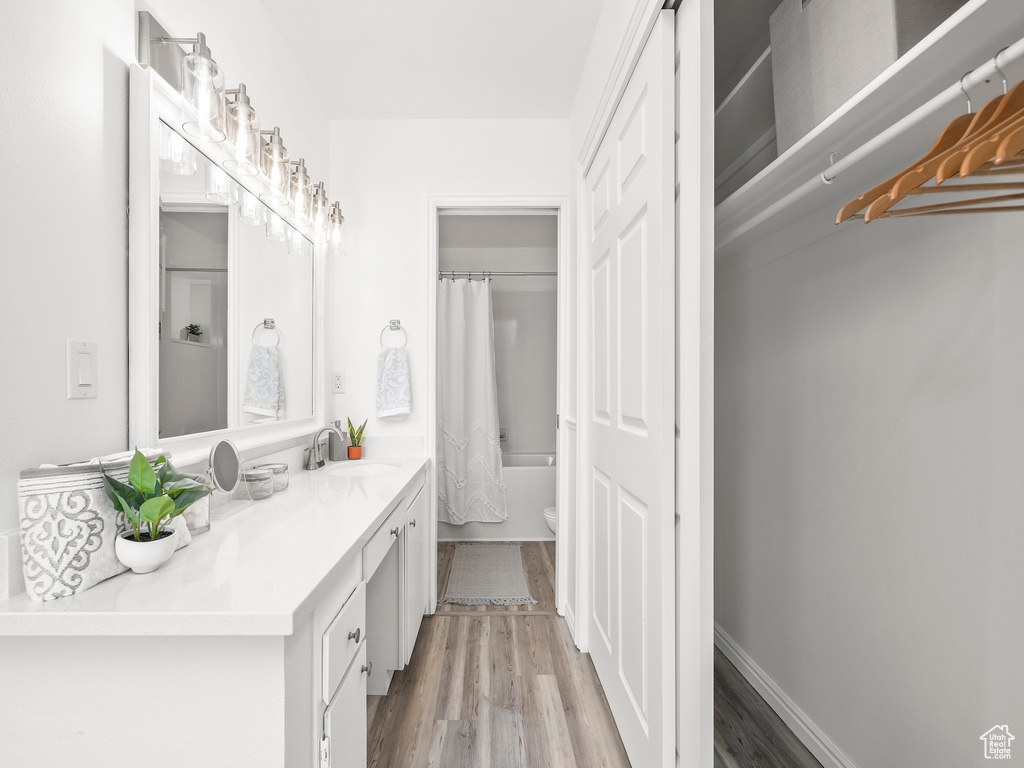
(355, 635)
(413, 523)
(394, 532)
(367, 668)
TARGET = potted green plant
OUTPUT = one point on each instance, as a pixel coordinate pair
(154, 495)
(194, 331)
(355, 436)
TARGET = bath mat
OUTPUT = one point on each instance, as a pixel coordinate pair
(488, 574)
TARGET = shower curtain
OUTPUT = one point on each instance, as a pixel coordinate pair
(469, 478)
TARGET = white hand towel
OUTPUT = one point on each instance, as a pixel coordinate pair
(264, 390)
(394, 392)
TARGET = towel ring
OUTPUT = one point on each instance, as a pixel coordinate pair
(268, 324)
(394, 325)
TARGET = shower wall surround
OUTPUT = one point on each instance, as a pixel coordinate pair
(84, 261)
(525, 348)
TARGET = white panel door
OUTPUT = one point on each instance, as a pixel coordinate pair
(630, 465)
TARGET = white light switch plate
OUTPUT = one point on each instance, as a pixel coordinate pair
(82, 369)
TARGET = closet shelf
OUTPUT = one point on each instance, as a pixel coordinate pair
(781, 195)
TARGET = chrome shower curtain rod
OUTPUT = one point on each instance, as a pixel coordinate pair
(441, 275)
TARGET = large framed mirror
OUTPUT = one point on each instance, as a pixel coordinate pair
(224, 295)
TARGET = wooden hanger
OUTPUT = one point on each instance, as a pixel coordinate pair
(1012, 146)
(988, 149)
(926, 171)
(950, 135)
(1007, 108)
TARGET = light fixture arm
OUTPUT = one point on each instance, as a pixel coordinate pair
(198, 43)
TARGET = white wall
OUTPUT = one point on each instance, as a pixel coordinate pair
(870, 398)
(65, 89)
(387, 170)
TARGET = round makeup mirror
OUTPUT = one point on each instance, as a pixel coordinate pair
(225, 466)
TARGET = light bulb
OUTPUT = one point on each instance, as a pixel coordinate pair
(177, 156)
(243, 133)
(298, 245)
(202, 85)
(336, 232)
(220, 188)
(301, 193)
(321, 213)
(277, 230)
(250, 210)
(275, 168)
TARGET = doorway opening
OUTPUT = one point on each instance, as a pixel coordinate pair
(497, 364)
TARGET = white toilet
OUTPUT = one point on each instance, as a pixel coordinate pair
(551, 517)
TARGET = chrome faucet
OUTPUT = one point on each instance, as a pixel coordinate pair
(315, 455)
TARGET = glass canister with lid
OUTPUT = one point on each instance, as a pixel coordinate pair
(280, 471)
(259, 482)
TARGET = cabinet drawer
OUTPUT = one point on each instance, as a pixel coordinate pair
(377, 547)
(342, 640)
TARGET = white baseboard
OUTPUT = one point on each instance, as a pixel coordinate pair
(829, 754)
(570, 620)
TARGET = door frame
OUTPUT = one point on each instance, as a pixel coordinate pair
(566, 327)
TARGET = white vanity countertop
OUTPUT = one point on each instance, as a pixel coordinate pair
(250, 574)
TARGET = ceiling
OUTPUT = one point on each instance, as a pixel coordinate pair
(440, 58)
(739, 26)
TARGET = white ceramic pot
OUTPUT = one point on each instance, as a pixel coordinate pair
(144, 556)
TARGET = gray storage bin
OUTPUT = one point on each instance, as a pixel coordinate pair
(825, 51)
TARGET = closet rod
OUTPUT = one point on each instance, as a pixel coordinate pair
(489, 273)
(939, 102)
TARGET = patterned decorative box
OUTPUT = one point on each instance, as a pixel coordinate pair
(68, 527)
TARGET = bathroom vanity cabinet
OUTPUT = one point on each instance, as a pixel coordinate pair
(252, 646)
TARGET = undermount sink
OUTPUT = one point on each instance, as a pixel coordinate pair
(362, 468)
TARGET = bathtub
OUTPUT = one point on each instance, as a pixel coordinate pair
(529, 488)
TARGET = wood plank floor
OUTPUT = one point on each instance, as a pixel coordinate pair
(748, 733)
(491, 687)
(505, 687)
(538, 567)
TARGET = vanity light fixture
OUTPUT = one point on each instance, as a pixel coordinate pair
(321, 213)
(177, 156)
(277, 229)
(242, 127)
(301, 193)
(202, 85)
(275, 168)
(250, 210)
(209, 114)
(335, 233)
(220, 188)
